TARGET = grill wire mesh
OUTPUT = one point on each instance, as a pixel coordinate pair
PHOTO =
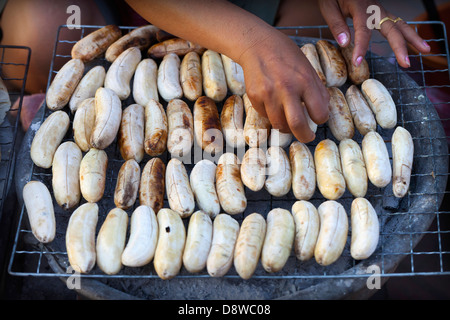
(14, 61)
(262, 202)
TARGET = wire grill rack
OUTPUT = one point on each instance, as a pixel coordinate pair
(433, 150)
(16, 60)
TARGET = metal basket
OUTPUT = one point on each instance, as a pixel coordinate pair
(403, 222)
(9, 128)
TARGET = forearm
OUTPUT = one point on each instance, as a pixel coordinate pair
(215, 24)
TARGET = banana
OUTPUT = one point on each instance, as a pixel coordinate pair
(174, 45)
(171, 242)
(303, 171)
(140, 38)
(307, 224)
(340, 119)
(278, 241)
(145, 86)
(127, 185)
(141, 246)
(229, 186)
(202, 180)
(220, 257)
(64, 84)
(179, 193)
(180, 128)
(83, 124)
(402, 161)
(108, 116)
(88, 85)
(256, 127)
(151, 188)
(191, 78)
(198, 242)
(156, 129)
(381, 103)
(279, 139)
(93, 175)
(168, 81)
(121, 71)
(234, 76)
(96, 43)
(80, 237)
(330, 179)
(332, 62)
(353, 167)
(111, 241)
(356, 74)
(41, 216)
(214, 79)
(365, 229)
(279, 173)
(253, 169)
(48, 138)
(232, 121)
(249, 245)
(207, 127)
(130, 137)
(66, 175)
(332, 234)
(376, 158)
(362, 115)
(310, 51)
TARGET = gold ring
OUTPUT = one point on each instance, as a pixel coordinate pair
(390, 19)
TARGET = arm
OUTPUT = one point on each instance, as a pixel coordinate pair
(217, 25)
(277, 74)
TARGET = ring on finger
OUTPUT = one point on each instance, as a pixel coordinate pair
(389, 19)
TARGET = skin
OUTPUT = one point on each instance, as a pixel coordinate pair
(278, 76)
(398, 34)
(22, 22)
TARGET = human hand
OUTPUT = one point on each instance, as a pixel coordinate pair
(398, 34)
(278, 78)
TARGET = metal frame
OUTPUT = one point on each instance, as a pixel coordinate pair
(55, 255)
(8, 162)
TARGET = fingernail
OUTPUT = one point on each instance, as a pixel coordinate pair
(342, 38)
(425, 44)
(407, 61)
(358, 61)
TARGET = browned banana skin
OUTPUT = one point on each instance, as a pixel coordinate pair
(332, 62)
(176, 45)
(96, 43)
(356, 74)
(141, 38)
(152, 186)
(207, 124)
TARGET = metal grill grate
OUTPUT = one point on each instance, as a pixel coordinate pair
(16, 60)
(418, 215)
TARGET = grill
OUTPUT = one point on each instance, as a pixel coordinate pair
(403, 222)
(9, 128)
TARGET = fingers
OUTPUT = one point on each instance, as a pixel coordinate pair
(412, 37)
(362, 38)
(296, 118)
(398, 34)
(336, 21)
(397, 42)
(398, 45)
(257, 104)
(316, 99)
(275, 114)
